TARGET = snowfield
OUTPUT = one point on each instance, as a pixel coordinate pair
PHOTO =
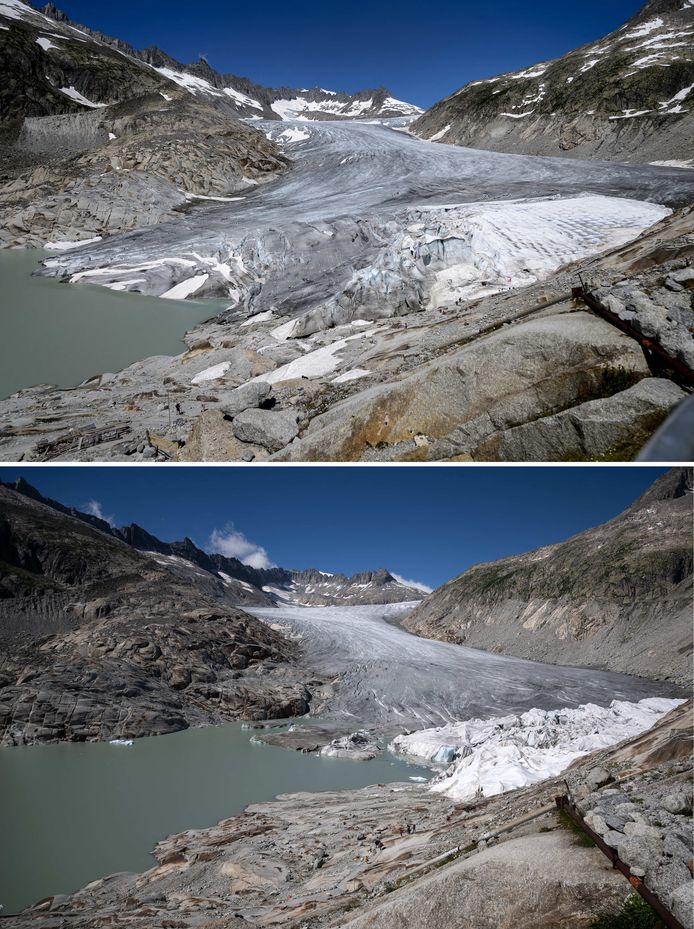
(490, 756)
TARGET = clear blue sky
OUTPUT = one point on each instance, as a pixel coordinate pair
(426, 524)
(422, 51)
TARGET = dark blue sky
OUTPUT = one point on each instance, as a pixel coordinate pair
(421, 51)
(426, 524)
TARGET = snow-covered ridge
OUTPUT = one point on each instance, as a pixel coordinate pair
(490, 756)
(304, 106)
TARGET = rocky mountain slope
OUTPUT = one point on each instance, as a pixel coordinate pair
(626, 97)
(97, 137)
(53, 65)
(344, 859)
(98, 641)
(240, 584)
(617, 596)
(95, 141)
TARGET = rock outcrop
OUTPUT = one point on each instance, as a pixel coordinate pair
(618, 596)
(98, 641)
(625, 97)
(128, 165)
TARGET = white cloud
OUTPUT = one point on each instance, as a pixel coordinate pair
(93, 507)
(234, 544)
(418, 585)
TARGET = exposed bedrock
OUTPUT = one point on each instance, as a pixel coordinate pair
(513, 376)
(345, 859)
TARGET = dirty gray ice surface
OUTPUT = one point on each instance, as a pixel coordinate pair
(293, 244)
(392, 680)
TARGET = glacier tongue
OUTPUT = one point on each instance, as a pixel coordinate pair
(503, 753)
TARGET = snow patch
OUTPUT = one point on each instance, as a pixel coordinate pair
(645, 28)
(289, 136)
(45, 43)
(212, 374)
(64, 245)
(76, 95)
(242, 99)
(440, 134)
(258, 318)
(186, 288)
(352, 375)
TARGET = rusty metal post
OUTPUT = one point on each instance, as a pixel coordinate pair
(565, 805)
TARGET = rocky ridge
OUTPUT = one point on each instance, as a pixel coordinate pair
(233, 581)
(625, 97)
(86, 68)
(251, 100)
(623, 589)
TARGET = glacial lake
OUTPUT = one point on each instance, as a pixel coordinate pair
(55, 333)
(72, 812)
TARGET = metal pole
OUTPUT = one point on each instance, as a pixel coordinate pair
(564, 804)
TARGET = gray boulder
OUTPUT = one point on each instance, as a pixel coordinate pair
(273, 430)
(682, 904)
(683, 276)
(640, 852)
(598, 778)
(678, 803)
(248, 396)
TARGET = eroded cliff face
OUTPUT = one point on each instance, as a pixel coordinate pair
(623, 97)
(618, 596)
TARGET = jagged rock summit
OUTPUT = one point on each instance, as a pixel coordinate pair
(626, 97)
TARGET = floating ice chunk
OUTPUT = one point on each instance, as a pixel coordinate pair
(126, 742)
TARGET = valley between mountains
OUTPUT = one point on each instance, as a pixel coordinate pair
(111, 635)
(375, 293)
